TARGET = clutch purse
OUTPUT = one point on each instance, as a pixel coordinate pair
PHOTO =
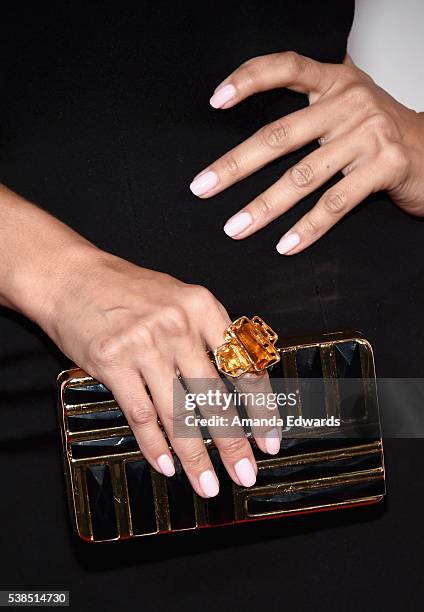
(114, 494)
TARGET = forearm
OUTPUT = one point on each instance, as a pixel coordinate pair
(35, 253)
(135, 331)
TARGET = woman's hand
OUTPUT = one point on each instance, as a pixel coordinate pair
(376, 142)
(127, 325)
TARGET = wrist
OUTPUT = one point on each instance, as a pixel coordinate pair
(37, 289)
(412, 191)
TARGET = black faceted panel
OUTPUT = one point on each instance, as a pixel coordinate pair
(308, 361)
(312, 390)
(87, 394)
(180, 499)
(221, 507)
(96, 420)
(313, 497)
(102, 507)
(276, 370)
(348, 360)
(335, 467)
(140, 494)
(353, 408)
(104, 446)
(352, 397)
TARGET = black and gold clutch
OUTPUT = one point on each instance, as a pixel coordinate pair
(114, 494)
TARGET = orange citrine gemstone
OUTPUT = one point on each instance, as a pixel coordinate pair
(261, 352)
(233, 359)
(249, 346)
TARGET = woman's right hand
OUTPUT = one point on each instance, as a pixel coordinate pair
(127, 325)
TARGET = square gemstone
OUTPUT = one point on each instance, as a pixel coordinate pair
(233, 359)
(257, 344)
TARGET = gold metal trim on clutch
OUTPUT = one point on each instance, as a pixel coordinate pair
(75, 468)
(249, 347)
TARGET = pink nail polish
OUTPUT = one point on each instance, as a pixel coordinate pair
(223, 95)
(237, 224)
(272, 442)
(245, 472)
(204, 182)
(287, 243)
(166, 465)
(209, 483)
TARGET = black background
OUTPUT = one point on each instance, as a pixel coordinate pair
(104, 122)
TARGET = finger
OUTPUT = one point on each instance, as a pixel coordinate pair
(330, 208)
(131, 395)
(302, 179)
(267, 144)
(287, 69)
(169, 399)
(253, 387)
(258, 398)
(214, 401)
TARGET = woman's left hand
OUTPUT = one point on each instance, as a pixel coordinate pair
(376, 142)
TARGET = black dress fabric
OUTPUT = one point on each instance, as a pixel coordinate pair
(104, 122)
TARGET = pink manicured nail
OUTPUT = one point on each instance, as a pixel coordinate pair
(166, 465)
(237, 224)
(287, 243)
(204, 183)
(223, 95)
(272, 442)
(245, 472)
(209, 483)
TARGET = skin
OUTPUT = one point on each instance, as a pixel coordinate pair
(373, 140)
(128, 326)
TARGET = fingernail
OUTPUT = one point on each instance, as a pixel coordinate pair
(245, 472)
(204, 183)
(237, 224)
(287, 243)
(223, 95)
(272, 442)
(166, 465)
(209, 483)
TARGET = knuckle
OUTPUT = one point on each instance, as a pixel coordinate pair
(195, 459)
(301, 175)
(175, 318)
(395, 157)
(262, 208)
(380, 122)
(293, 62)
(311, 226)
(210, 410)
(335, 202)
(348, 169)
(104, 351)
(230, 166)
(200, 296)
(234, 447)
(144, 336)
(360, 95)
(275, 135)
(175, 417)
(141, 416)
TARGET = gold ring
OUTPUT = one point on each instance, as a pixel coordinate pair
(249, 347)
